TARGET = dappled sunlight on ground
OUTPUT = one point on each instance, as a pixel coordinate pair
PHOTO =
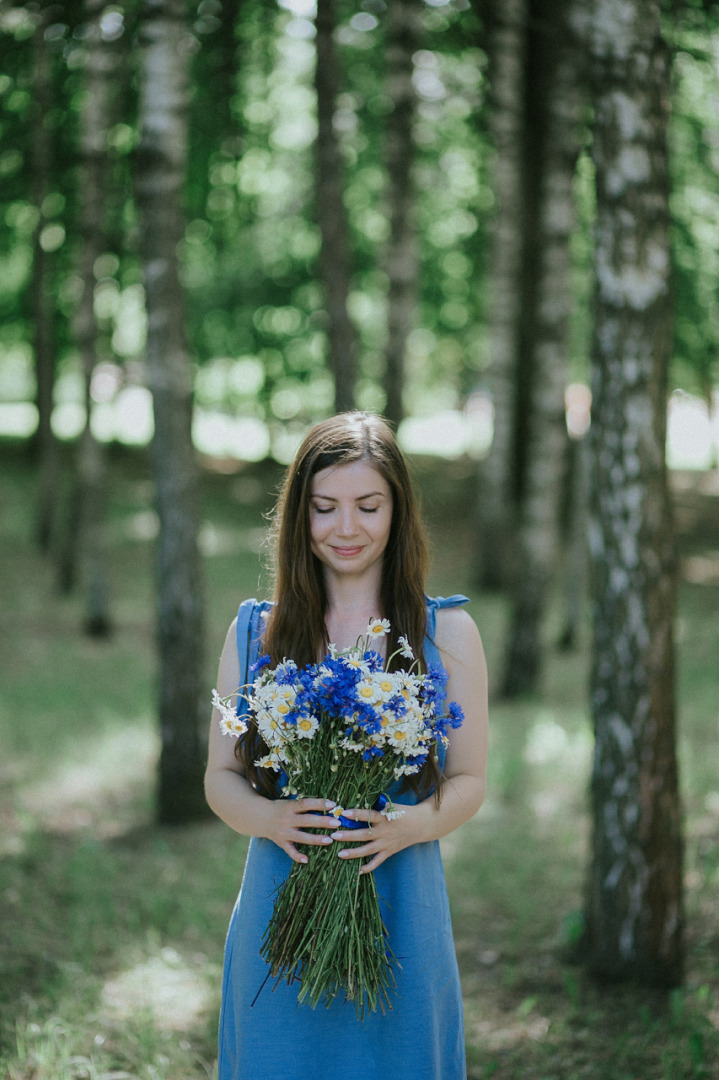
(499, 1033)
(97, 790)
(167, 989)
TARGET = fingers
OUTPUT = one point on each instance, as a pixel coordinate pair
(314, 805)
(372, 817)
(364, 852)
(294, 854)
(311, 813)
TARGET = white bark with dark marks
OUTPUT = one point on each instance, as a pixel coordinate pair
(635, 919)
(166, 47)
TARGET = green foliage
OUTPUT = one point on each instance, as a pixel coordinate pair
(695, 210)
(250, 250)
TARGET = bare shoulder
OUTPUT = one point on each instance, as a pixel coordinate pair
(457, 635)
(229, 667)
(230, 636)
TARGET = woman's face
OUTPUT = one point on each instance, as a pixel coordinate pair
(350, 517)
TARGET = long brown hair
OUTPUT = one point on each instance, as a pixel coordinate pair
(296, 626)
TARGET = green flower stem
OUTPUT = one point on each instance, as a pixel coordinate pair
(326, 928)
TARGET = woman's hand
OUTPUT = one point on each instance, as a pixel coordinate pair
(382, 837)
(289, 818)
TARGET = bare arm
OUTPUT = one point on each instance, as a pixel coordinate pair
(230, 795)
(464, 787)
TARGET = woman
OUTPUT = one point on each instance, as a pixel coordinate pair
(349, 547)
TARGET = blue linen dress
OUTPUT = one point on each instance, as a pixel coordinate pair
(265, 1035)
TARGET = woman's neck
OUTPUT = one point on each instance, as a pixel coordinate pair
(350, 606)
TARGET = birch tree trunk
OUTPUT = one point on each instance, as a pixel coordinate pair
(401, 258)
(335, 260)
(84, 544)
(547, 345)
(43, 314)
(635, 920)
(495, 488)
(162, 163)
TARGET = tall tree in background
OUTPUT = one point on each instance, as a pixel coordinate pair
(551, 150)
(43, 313)
(401, 257)
(635, 919)
(215, 129)
(335, 258)
(507, 21)
(162, 163)
(83, 545)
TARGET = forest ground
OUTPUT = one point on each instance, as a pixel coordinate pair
(111, 928)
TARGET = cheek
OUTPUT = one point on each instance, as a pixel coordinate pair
(318, 528)
(384, 527)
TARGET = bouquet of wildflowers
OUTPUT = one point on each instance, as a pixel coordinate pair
(344, 730)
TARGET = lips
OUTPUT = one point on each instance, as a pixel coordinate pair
(347, 552)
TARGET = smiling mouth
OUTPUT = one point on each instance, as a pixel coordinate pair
(346, 552)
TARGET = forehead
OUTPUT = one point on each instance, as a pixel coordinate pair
(355, 479)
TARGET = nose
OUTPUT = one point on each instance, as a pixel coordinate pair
(347, 525)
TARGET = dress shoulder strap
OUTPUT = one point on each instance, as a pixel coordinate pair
(250, 620)
(244, 637)
(436, 603)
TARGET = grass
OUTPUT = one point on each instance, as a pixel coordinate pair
(111, 929)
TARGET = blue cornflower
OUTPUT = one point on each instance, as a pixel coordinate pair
(261, 662)
(371, 752)
(373, 660)
(366, 718)
(333, 688)
(456, 715)
(286, 673)
(398, 705)
(434, 684)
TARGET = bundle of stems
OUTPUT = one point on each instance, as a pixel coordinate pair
(326, 928)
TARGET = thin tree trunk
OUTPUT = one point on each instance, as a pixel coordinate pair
(547, 348)
(162, 163)
(84, 546)
(401, 258)
(215, 125)
(635, 920)
(495, 488)
(574, 553)
(43, 314)
(335, 259)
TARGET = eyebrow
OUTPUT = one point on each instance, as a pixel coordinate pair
(360, 498)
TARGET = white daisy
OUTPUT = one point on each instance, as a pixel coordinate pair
(230, 722)
(368, 691)
(306, 727)
(405, 648)
(270, 761)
